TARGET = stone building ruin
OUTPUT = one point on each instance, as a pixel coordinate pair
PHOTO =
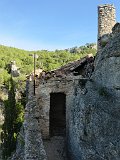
(14, 70)
(106, 21)
(79, 101)
(56, 94)
(54, 99)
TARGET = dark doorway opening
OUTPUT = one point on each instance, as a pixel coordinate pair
(57, 114)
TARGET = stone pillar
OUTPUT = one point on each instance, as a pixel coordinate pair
(34, 148)
(106, 21)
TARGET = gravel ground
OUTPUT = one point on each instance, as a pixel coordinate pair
(55, 148)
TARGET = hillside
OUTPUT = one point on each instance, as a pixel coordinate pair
(47, 60)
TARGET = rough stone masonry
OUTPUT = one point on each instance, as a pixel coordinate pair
(106, 21)
(93, 103)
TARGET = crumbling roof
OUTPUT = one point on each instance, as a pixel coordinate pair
(70, 68)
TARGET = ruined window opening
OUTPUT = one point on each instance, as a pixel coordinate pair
(57, 114)
(78, 71)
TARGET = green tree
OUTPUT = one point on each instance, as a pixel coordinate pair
(12, 122)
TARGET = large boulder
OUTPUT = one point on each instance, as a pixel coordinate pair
(107, 64)
(94, 132)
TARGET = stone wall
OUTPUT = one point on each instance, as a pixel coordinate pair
(34, 148)
(106, 21)
(70, 86)
(55, 85)
(29, 141)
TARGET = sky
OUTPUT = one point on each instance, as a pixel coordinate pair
(50, 24)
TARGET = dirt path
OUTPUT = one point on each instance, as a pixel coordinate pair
(55, 148)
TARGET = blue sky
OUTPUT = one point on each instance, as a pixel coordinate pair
(49, 24)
